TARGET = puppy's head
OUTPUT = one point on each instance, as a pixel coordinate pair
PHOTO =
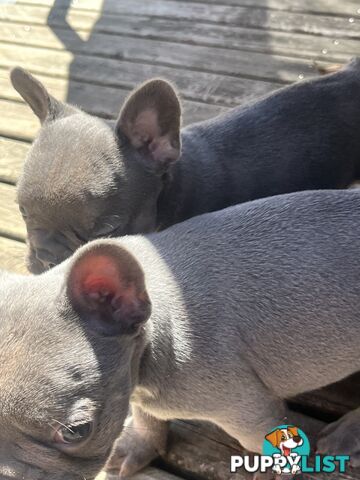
(285, 437)
(67, 340)
(83, 179)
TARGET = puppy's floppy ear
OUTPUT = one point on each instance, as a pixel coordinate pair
(106, 287)
(150, 120)
(35, 94)
(274, 438)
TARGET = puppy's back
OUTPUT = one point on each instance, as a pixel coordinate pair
(275, 281)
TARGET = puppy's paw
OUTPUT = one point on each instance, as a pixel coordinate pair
(342, 438)
(130, 453)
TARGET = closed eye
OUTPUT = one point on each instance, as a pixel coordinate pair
(80, 237)
(107, 230)
(23, 212)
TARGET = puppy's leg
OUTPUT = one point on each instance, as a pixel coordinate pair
(342, 438)
(143, 439)
(257, 411)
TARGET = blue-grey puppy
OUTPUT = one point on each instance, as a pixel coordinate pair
(83, 180)
(219, 318)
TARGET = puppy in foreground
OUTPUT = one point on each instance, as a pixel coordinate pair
(84, 180)
(220, 318)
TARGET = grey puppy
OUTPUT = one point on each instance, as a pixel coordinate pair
(83, 180)
(219, 318)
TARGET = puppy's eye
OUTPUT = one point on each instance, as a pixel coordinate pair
(72, 434)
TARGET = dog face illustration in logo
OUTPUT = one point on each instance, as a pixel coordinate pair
(286, 439)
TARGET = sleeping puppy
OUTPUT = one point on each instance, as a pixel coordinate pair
(83, 180)
(219, 318)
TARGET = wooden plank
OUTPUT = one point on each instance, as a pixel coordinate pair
(344, 8)
(18, 121)
(199, 86)
(205, 60)
(302, 46)
(101, 100)
(84, 23)
(11, 222)
(220, 13)
(12, 155)
(12, 255)
(202, 449)
(196, 57)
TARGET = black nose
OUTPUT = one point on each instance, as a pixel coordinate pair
(297, 439)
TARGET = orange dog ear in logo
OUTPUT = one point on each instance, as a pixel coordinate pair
(274, 437)
(294, 431)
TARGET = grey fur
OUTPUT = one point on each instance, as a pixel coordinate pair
(83, 180)
(248, 306)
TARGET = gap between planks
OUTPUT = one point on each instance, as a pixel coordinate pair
(346, 8)
(246, 19)
(12, 255)
(210, 11)
(198, 86)
(112, 38)
(12, 225)
(101, 100)
(157, 59)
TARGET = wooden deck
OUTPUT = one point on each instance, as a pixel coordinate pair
(219, 53)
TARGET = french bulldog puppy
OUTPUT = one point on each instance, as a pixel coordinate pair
(219, 318)
(83, 179)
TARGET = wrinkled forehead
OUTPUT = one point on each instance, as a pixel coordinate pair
(48, 371)
(43, 354)
(72, 157)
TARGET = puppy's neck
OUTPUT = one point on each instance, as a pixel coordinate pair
(159, 359)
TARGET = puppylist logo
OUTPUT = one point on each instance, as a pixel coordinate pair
(286, 451)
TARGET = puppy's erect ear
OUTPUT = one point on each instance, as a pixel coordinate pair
(106, 287)
(35, 94)
(150, 120)
(274, 438)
